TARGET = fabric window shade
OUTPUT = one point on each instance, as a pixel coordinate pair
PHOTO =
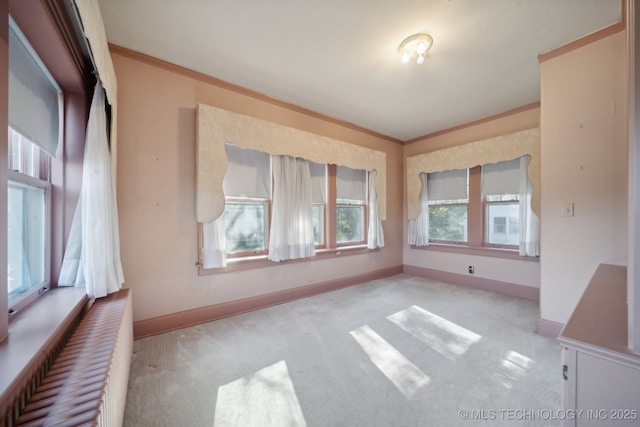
(448, 185)
(501, 178)
(248, 173)
(34, 99)
(351, 184)
(318, 182)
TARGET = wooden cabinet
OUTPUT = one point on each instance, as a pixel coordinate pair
(601, 374)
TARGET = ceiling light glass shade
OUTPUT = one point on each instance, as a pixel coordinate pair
(415, 46)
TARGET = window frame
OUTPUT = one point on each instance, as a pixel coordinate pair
(365, 224)
(485, 228)
(250, 200)
(323, 232)
(476, 229)
(32, 294)
(330, 248)
(450, 242)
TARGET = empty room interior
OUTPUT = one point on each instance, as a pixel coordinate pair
(326, 213)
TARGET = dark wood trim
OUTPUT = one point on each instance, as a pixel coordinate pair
(583, 41)
(522, 291)
(49, 29)
(170, 322)
(4, 154)
(475, 123)
(155, 62)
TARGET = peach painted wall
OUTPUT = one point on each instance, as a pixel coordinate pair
(156, 188)
(519, 272)
(584, 162)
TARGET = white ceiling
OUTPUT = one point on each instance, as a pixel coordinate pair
(340, 57)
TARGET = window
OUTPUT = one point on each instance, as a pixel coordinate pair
(27, 236)
(501, 196)
(477, 207)
(248, 203)
(351, 205)
(247, 187)
(448, 194)
(246, 225)
(34, 117)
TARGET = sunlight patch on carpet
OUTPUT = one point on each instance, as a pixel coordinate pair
(266, 397)
(406, 376)
(512, 368)
(445, 337)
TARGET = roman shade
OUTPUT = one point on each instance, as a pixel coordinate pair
(248, 173)
(501, 178)
(351, 184)
(34, 97)
(448, 185)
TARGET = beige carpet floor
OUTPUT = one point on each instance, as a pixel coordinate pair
(400, 351)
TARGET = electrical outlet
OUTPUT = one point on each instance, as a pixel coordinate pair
(471, 269)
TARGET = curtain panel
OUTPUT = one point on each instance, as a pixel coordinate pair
(529, 221)
(375, 235)
(92, 257)
(418, 228)
(291, 233)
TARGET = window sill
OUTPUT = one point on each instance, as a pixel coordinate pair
(477, 251)
(33, 333)
(261, 261)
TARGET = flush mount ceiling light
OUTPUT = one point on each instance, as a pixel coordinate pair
(415, 47)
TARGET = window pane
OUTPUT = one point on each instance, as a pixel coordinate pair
(349, 223)
(448, 222)
(245, 226)
(26, 238)
(503, 223)
(318, 224)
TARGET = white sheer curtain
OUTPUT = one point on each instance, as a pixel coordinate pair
(529, 222)
(375, 236)
(292, 214)
(213, 244)
(92, 258)
(419, 227)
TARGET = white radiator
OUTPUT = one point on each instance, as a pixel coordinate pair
(87, 383)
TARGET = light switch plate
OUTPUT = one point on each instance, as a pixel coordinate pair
(567, 209)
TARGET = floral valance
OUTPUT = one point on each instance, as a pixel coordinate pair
(217, 126)
(492, 150)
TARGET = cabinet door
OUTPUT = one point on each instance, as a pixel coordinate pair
(607, 393)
